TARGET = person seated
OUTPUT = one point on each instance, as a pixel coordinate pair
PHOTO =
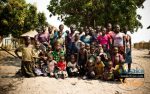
(61, 68)
(99, 68)
(58, 51)
(72, 67)
(108, 72)
(90, 74)
(37, 52)
(43, 63)
(103, 56)
(51, 65)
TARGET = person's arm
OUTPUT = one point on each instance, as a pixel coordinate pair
(109, 42)
(103, 64)
(16, 52)
(112, 45)
(64, 45)
(130, 42)
(124, 43)
(48, 38)
(86, 56)
(65, 65)
(78, 58)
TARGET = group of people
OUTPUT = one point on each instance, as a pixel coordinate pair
(86, 52)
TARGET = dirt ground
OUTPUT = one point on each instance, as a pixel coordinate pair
(9, 84)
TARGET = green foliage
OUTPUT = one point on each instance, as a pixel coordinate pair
(18, 17)
(31, 19)
(97, 12)
(41, 19)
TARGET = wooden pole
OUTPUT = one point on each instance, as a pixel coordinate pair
(8, 52)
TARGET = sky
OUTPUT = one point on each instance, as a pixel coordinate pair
(141, 35)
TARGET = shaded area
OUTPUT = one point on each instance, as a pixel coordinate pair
(7, 85)
(10, 61)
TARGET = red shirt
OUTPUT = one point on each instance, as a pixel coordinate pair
(61, 65)
(111, 35)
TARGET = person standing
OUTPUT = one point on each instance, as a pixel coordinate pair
(128, 55)
(27, 65)
(119, 40)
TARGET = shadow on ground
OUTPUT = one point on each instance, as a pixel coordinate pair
(10, 61)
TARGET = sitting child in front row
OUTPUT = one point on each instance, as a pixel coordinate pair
(43, 63)
(72, 67)
(60, 71)
(90, 74)
(51, 65)
(108, 72)
(99, 68)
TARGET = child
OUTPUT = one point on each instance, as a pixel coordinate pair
(49, 49)
(72, 67)
(27, 65)
(37, 52)
(60, 40)
(92, 55)
(87, 47)
(99, 68)
(90, 74)
(76, 44)
(104, 40)
(103, 56)
(81, 32)
(77, 41)
(51, 65)
(58, 51)
(99, 49)
(86, 38)
(43, 63)
(61, 68)
(82, 59)
(118, 62)
(68, 45)
(108, 72)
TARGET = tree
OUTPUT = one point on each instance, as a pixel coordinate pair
(18, 17)
(41, 19)
(97, 12)
(12, 17)
(31, 19)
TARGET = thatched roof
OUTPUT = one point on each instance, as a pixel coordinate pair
(31, 33)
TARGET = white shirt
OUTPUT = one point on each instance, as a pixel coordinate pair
(118, 39)
(73, 36)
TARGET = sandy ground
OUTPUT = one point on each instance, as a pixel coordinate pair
(9, 84)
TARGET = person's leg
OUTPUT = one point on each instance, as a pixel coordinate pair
(129, 67)
(23, 69)
(30, 69)
(69, 71)
(75, 74)
(56, 75)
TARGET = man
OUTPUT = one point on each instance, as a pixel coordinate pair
(128, 55)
